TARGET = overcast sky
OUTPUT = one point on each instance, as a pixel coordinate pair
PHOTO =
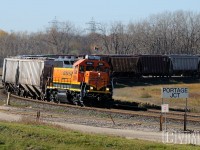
(35, 15)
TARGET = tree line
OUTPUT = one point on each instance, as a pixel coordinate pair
(166, 33)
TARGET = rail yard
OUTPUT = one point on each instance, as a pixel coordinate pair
(38, 97)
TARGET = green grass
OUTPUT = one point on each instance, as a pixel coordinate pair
(39, 136)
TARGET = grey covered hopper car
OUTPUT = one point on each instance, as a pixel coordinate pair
(184, 64)
(26, 76)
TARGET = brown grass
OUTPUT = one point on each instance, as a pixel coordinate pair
(152, 94)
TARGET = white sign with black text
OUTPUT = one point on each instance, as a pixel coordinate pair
(175, 92)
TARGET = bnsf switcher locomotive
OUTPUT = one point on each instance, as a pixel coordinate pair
(87, 82)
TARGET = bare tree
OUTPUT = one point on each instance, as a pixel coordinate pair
(60, 36)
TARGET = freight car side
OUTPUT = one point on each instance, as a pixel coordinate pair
(185, 65)
(122, 65)
(26, 77)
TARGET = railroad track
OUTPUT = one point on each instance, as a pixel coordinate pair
(177, 116)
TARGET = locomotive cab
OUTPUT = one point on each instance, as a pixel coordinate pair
(86, 70)
(94, 79)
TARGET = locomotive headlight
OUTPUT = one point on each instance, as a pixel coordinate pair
(99, 74)
(107, 89)
(91, 88)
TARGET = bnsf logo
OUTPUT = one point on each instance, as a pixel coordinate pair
(67, 73)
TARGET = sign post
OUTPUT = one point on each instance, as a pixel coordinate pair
(161, 117)
(185, 115)
(165, 109)
(176, 92)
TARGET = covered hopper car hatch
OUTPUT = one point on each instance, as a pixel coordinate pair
(87, 83)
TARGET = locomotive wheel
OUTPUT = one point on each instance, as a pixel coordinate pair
(109, 103)
(74, 100)
(69, 98)
(56, 99)
(81, 101)
(51, 98)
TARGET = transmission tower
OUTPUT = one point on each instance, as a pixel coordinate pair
(54, 23)
(93, 26)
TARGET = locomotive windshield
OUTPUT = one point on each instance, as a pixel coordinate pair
(92, 65)
(90, 68)
(101, 68)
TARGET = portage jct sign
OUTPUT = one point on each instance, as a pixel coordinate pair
(174, 92)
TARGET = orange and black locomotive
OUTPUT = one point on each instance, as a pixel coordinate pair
(88, 81)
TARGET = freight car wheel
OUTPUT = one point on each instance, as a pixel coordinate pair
(17, 92)
(22, 93)
(56, 100)
(7, 88)
(42, 96)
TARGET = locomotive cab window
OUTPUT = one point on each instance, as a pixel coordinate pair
(76, 69)
(81, 68)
